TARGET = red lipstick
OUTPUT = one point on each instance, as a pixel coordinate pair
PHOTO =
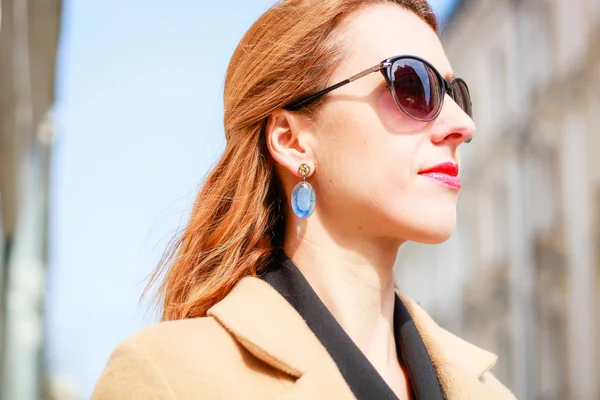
(444, 173)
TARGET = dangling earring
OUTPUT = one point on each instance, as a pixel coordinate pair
(304, 198)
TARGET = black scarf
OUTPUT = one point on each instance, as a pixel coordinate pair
(360, 375)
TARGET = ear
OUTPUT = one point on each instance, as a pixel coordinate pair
(290, 139)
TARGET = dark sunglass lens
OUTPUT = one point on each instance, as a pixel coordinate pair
(460, 94)
(416, 88)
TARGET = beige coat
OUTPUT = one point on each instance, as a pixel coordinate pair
(254, 345)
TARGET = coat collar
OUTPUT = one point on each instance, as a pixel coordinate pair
(460, 366)
(269, 328)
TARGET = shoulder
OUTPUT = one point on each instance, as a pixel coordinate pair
(185, 342)
(181, 335)
(160, 360)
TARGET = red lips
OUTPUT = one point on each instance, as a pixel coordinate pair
(448, 168)
(444, 173)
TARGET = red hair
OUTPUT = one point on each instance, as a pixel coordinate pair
(237, 220)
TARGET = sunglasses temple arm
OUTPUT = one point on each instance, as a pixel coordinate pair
(296, 105)
(374, 68)
(306, 100)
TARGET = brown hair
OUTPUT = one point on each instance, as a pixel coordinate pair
(237, 220)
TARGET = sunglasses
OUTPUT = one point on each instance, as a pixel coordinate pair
(418, 89)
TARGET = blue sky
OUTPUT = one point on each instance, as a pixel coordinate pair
(139, 110)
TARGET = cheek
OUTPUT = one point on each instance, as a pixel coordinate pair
(357, 150)
(393, 118)
(350, 135)
(354, 152)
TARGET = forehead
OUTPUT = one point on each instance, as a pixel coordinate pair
(380, 31)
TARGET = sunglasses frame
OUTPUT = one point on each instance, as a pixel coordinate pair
(385, 67)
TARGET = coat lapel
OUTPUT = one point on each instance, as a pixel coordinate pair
(462, 368)
(264, 323)
(268, 327)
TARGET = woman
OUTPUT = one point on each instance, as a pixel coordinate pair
(281, 285)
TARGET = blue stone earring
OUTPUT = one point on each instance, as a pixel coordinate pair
(304, 198)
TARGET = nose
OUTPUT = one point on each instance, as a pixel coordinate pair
(452, 124)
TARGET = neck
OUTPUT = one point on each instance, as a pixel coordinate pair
(354, 279)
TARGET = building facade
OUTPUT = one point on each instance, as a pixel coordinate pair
(28, 46)
(521, 274)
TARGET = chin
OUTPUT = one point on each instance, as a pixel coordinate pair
(429, 230)
(436, 232)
